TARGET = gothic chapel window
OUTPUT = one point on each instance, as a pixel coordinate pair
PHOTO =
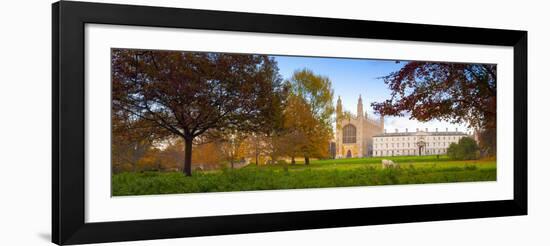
(349, 134)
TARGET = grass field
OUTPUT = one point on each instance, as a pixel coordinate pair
(320, 173)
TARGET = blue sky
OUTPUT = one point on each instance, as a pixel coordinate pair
(351, 77)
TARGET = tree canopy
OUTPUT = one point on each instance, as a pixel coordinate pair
(308, 115)
(317, 91)
(455, 92)
(465, 149)
(194, 94)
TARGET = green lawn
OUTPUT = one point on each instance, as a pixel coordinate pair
(320, 173)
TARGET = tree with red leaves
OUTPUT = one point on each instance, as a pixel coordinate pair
(195, 95)
(455, 92)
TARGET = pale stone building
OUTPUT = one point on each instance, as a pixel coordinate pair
(354, 132)
(415, 143)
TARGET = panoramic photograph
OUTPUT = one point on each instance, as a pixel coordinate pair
(196, 122)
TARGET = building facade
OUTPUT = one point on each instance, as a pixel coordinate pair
(415, 143)
(354, 132)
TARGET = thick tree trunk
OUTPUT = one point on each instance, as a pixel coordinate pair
(306, 159)
(187, 160)
(292, 160)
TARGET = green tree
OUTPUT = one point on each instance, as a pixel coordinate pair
(465, 149)
(317, 94)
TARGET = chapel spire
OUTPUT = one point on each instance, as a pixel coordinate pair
(338, 108)
(360, 107)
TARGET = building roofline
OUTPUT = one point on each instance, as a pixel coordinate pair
(399, 134)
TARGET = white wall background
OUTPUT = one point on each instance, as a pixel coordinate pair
(25, 96)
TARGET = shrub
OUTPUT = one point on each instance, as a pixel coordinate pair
(466, 149)
(470, 167)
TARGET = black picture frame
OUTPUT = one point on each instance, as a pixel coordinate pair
(68, 122)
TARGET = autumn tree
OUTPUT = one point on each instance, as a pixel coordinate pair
(259, 145)
(171, 154)
(265, 140)
(151, 160)
(234, 147)
(455, 92)
(298, 126)
(209, 155)
(132, 138)
(192, 94)
(317, 93)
